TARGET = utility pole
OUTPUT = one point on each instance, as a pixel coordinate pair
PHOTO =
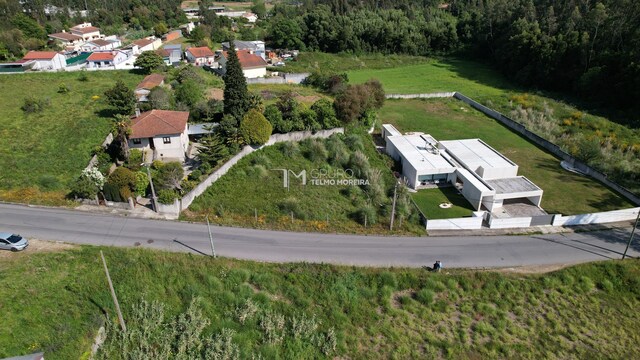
(113, 294)
(154, 199)
(213, 250)
(393, 209)
(635, 225)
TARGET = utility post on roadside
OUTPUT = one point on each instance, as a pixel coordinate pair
(113, 294)
(635, 225)
(393, 208)
(213, 250)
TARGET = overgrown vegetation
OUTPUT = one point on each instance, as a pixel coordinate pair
(286, 310)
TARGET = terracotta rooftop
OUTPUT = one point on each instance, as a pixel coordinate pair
(248, 60)
(85, 30)
(158, 122)
(100, 42)
(163, 52)
(65, 36)
(101, 56)
(151, 81)
(200, 51)
(143, 42)
(39, 55)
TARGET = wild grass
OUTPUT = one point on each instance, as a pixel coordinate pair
(449, 119)
(46, 150)
(56, 302)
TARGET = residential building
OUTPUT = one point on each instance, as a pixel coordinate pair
(257, 47)
(102, 59)
(147, 44)
(251, 17)
(163, 132)
(86, 31)
(172, 54)
(172, 35)
(46, 60)
(66, 40)
(108, 43)
(201, 56)
(144, 87)
(485, 177)
(253, 66)
(188, 27)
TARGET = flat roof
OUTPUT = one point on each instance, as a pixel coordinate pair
(391, 130)
(475, 153)
(423, 158)
(512, 185)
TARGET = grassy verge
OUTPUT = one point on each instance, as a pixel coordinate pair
(56, 301)
(448, 119)
(429, 201)
(46, 150)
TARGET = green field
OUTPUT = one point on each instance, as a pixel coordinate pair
(56, 301)
(252, 188)
(429, 200)
(45, 151)
(314, 61)
(448, 119)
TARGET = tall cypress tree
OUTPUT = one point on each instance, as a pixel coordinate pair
(236, 95)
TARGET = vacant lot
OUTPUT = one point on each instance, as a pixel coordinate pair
(56, 301)
(429, 200)
(43, 152)
(448, 119)
(314, 61)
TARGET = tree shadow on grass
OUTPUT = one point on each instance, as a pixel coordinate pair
(107, 113)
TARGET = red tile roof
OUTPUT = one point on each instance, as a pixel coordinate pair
(65, 36)
(85, 30)
(143, 42)
(100, 42)
(163, 52)
(101, 56)
(249, 60)
(200, 51)
(151, 81)
(40, 55)
(159, 122)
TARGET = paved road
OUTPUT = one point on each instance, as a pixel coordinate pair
(277, 246)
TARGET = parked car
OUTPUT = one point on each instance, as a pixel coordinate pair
(13, 242)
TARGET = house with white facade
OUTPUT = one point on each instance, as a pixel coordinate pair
(45, 60)
(86, 31)
(201, 56)
(148, 44)
(485, 177)
(108, 43)
(106, 59)
(171, 54)
(67, 40)
(163, 132)
(253, 66)
(257, 47)
(144, 87)
(251, 17)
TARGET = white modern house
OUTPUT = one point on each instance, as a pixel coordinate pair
(253, 66)
(45, 60)
(108, 43)
(67, 40)
(485, 177)
(163, 132)
(86, 31)
(106, 59)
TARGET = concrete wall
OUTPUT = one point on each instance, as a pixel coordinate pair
(176, 149)
(421, 96)
(171, 210)
(518, 222)
(94, 159)
(275, 138)
(596, 218)
(255, 73)
(472, 223)
(286, 78)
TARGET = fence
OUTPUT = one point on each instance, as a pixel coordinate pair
(596, 218)
(421, 96)
(94, 159)
(175, 208)
(468, 223)
(286, 78)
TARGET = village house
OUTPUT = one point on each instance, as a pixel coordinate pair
(171, 54)
(144, 88)
(105, 59)
(251, 17)
(201, 56)
(163, 132)
(45, 60)
(108, 43)
(253, 66)
(257, 47)
(67, 40)
(172, 35)
(86, 31)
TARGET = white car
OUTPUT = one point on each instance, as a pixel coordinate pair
(13, 242)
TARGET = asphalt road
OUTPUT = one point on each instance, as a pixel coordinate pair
(276, 246)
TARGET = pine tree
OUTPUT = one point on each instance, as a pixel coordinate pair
(236, 95)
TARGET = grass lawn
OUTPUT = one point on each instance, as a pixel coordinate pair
(251, 185)
(47, 150)
(56, 301)
(310, 61)
(428, 200)
(448, 119)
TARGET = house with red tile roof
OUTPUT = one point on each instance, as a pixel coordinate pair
(66, 39)
(86, 31)
(253, 66)
(201, 56)
(106, 59)
(46, 60)
(163, 132)
(147, 44)
(149, 82)
(108, 43)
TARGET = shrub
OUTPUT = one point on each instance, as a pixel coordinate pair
(169, 176)
(83, 76)
(84, 188)
(195, 175)
(167, 196)
(142, 181)
(34, 105)
(290, 149)
(125, 180)
(366, 215)
(316, 151)
(425, 296)
(63, 89)
(135, 159)
(254, 128)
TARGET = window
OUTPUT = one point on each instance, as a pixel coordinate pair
(137, 141)
(166, 140)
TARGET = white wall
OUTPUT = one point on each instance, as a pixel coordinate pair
(507, 223)
(471, 223)
(596, 218)
(254, 73)
(144, 144)
(175, 149)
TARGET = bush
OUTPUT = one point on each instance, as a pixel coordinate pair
(169, 176)
(366, 214)
(316, 151)
(34, 105)
(125, 180)
(254, 128)
(167, 196)
(83, 76)
(195, 175)
(290, 149)
(63, 89)
(142, 182)
(135, 159)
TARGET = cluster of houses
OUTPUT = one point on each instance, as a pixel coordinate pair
(193, 13)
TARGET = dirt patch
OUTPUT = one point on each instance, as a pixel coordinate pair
(36, 245)
(395, 297)
(532, 269)
(307, 99)
(273, 297)
(215, 94)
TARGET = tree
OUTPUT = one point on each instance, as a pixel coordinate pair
(212, 149)
(170, 176)
(236, 96)
(121, 98)
(29, 27)
(160, 98)
(124, 180)
(122, 129)
(160, 29)
(359, 100)
(274, 116)
(286, 34)
(326, 114)
(259, 8)
(189, 93)
(148, 61)
(254, 128)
